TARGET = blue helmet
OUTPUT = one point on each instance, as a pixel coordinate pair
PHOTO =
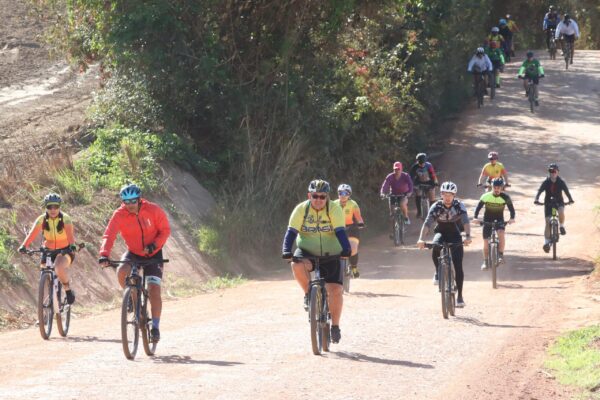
(502, 22)
(130, 191)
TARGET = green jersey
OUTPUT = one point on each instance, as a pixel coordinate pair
(531, 68)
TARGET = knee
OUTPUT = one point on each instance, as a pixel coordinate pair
(335, 290)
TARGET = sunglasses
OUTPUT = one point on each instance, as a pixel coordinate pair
(52, 207)
(319, 196)
(343, 193)
(130, 201)
(553, 171)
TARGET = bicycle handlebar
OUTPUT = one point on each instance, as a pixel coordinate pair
(50, 252)
(140, 263)
(432, 245)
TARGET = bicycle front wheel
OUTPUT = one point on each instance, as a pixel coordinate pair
(316, 304)
(493, 260)
(145, 327)
(63, 318)
(443, 276)
(45, 306)
(130, 334)
(424, 207)
(347, 276)
(397, 230)
(554, 240)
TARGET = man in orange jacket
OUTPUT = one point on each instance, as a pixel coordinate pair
(145, 229)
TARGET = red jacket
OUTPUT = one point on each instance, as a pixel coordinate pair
(150, 225)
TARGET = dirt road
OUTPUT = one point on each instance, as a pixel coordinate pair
(252, 342)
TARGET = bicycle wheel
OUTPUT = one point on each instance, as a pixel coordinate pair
(424, 207)
(325, 322)
(493, 84)
(130, 333)
(326, 336)
(63, 318)
(450, 290)
(554, 236)
(493, 260)
(45, 311)
(347, 275)
(316, 304)
(145, 327)
(443, 276)
(531, 97)
(397, 229)
(480, 84)
(567, 55)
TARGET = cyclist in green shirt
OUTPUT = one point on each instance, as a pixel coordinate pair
(531, 69)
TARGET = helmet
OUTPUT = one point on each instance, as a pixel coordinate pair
(492, 155)
(344, 187)
(52, 199)
(567, 17)
(529, 54)
(498, 182)
(319, 185)
(397, 165)
(508, 16)
(130, 191)
(449, 187)
(421, 157)
(480, 50)
(553, 166)
(502, 22)
(495, 29)
(551, 8)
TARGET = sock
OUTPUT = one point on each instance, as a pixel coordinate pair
(155, 322)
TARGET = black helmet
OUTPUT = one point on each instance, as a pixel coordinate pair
(567, 17)
(52, 199)
(498, 182)
(421, 157)
(529, 54)
(130, 191)
(319, 185)
(553, 167)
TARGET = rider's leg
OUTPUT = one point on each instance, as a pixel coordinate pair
(301, 270)
(435, 254)
(501, 240)
(547, 231)
(404, 206)
(354, 256)
(122, 273)
(457, 257)
(485, 249)
(431, 194)
(561, 216)
(61, 265)
(336, 301)
(155, 302)
(418, 205)
(548, 39)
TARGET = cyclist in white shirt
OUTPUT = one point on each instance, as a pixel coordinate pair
(569, 30)
(480, 63)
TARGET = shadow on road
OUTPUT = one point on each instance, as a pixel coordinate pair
(476, 322)
(377, 360)
(177, 359)
(371, 294)
(90, 339)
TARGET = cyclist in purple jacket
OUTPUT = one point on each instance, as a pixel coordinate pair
(398, 183)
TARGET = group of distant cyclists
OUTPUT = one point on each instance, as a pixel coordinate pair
(319, 228)
(498, 47)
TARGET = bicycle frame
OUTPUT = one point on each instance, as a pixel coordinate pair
(493, 248)
(446, 277)
(321, 326)
(398, 218)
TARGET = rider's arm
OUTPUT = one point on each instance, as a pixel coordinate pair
(504, 173)
(540, 190)
(558, 29)
(509, 204)
(424, 231)
(342, 237)
(576, 27)
(566, 190)
(110, 234)
(288, 239)
(357, 215)
(385, 186)
(465, 221)
(34, 231)
(488, 63)
(483, 173)
(470, 65)
(164, 229)
(70, 229)
(410, 185)
(338, 223)
(432, 174)
(521, 70)
(545, 23)
(478, 208)
(540, 69)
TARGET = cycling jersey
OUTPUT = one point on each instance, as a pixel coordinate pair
(496, 55)
(531, 68)
(401, 185)
(512, 25)
(450, 220)
(478, 64)
(568, 29)
(550, 20)
(351, 211)
(494, 171)
(54, 238)
(317, 228)
(422, 174)
(494, 207)
(495, 41)
(149, 226)
(554, 190)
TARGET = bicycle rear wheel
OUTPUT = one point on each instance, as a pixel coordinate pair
(130, 333)
(316, 333)
(145, 327)
(45, 306)
(493, 84)
(443, 276)
(493, 260)
(424, 207)
(63, 318)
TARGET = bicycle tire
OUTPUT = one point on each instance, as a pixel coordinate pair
(326, 336)
(130, 332)
(451, 290)
(63, 318)
(424, 208)
(493, 259)
(567, 55)
(145, 327)
(325, 322)
(443, 276)
(554, 240)
(493, 84)
(397, 230)
(347, 278)
(480, 93)
(45, 306)
(316, 333)
(531, 97)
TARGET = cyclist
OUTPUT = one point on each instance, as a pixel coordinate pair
(144, 227)
(494, 203)
(493, 169)
(450, 216)
(531, 69)
(507, 35)
(514, 28)
(567, 29)
(551, 20)
(553, 187)
(398, 183)
(59, 234)
(496, 55)
(423, 173)
(318, 227)
(480, 63)
(354, 222)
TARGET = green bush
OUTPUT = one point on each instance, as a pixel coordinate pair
(210, 242)
(8, 270)
(74, 185)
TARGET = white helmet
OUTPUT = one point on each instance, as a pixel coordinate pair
(449, 187)
(495, 29)
(480, 50)
(344, 187)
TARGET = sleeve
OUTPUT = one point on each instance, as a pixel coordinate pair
(558, 29)
(503, 171)
(70, 229)
(288, 240)
(413, 171)
(431, 217)
(34, 231)
(509, 204)
(540, 69)
(385, 186)
(338, 220)
(356, 213)
(540, 190)
(576, 29)
(488, 62)
(470, 65)
(410, 185)
(432, 173)
(110, 234)
(164, 229)
(342, 237)
(479, 207)
(521, 70)
(464, 215)
(297, 217)
(545, 23)
(566, 190)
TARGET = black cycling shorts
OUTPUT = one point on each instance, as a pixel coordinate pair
(149, 270)
(353, 231)
(71, 255)
(330, 267)
(487, 229)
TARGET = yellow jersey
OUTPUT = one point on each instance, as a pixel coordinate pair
(494, 171)
(351, 211)
(316, 229)
(54, 238)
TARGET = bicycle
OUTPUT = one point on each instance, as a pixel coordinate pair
(479, 86)
(446, 278)
(569, 52)
(531, 92)
(347, 268)
(552, 45)
(51, 297)
(318, 308)
(398, 217)
(554, 224)
(423, 191)
(493, 248)
(134, 309)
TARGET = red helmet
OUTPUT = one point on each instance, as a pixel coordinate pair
(492, 155)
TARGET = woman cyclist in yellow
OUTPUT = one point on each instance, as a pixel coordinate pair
(58, 232)
(354, 222)
(492, 170)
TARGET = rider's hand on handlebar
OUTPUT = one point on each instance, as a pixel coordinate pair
(23, 249)
(467, 241)
(103, 261)
(150, 248)
(287, 255)
(536, 202)
(346, 253)
(572, 202)
(360, 225)
(479, 185)
(421, 244)
(382, 196)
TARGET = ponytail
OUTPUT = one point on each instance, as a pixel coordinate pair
(59, 227)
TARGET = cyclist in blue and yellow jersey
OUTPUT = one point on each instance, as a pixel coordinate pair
(423, 173)
(59, 234)
(493, 169)
(507, 35)
(531, 69)
(494, 203)
(354, 222)
(496, 55)
(551, 21)
(318, 227)
(514, 28)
